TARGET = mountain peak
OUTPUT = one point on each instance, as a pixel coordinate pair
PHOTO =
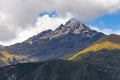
(72, 26)
(73, 20)
(74, 23)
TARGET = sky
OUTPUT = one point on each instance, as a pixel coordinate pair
(108, 23)
(21, 19)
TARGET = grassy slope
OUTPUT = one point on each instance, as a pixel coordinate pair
(110, 42)
(9, 58)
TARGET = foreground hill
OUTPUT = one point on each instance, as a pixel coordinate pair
(109, 42)
(103, 65)
(61, 43)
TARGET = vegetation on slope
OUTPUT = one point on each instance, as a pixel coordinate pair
(114, 38)
(8, 58)
(110, 42)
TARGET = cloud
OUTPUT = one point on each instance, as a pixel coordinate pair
(16, 16)
(43, 23)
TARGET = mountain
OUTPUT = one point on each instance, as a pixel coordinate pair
(91, 55)
(61, 43)
(108, 42)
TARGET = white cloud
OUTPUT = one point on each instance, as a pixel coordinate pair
(19, 15)
(43, 23)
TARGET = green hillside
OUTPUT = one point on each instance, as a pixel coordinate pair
(109, 42)
(8, 58)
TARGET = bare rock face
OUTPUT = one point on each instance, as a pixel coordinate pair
(75, 26)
